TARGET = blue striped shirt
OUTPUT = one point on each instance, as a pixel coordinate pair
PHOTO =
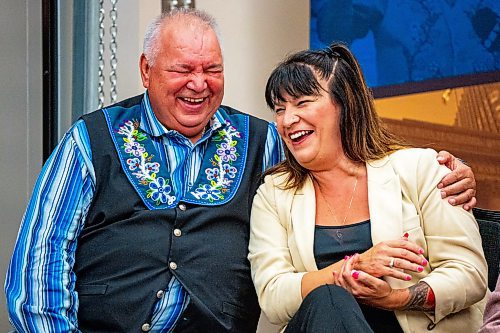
(40, 282)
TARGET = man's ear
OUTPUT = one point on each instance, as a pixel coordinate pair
(144, 67)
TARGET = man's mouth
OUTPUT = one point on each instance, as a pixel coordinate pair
(297, 136)
(193, 100)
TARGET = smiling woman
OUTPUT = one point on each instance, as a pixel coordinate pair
(307, 127)
(354, 217)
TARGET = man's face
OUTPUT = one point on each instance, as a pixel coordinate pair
(186, 82)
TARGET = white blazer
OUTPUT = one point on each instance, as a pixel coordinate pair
(402, 197)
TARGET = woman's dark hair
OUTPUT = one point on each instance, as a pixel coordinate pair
(363, 137)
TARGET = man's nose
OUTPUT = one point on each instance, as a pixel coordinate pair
(197, 82)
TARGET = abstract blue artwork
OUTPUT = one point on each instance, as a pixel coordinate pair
(409, 46)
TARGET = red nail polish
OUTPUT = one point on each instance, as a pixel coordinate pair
(405, 235)
(346, 257)
(355, 274)
(421, 251)
(420, 268)
(408, 278)
(424, 262)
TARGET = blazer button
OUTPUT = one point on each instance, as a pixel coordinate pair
(182, 207)
(173, 265)
(160, 293)
(177, 232)
(146, 327)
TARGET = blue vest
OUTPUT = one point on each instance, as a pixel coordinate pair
(128, 243)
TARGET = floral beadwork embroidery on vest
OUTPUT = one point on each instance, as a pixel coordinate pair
(222, 173)
(221, 169)
(141, 165)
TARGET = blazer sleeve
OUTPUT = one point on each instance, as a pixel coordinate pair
(459, 270)
(277, 282)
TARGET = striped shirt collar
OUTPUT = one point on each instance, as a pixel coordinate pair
(151, 125)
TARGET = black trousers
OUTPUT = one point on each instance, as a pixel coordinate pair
(328, 308)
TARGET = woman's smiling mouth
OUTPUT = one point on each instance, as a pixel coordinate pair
(299, 135)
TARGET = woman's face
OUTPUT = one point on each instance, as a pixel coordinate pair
(309, 126)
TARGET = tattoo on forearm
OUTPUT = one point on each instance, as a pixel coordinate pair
(421, 298)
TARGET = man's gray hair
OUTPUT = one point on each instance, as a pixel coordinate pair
(151, 44)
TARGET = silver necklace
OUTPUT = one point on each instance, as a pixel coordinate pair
(330, 209)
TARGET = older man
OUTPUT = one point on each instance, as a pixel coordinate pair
(140, 218)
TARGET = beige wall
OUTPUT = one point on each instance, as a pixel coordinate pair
(20, 121)
(256, 35)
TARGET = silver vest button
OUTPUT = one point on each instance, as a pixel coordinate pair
(160, 293)
(173, 265)
(182, 207)
(146, 327)
(177, 232)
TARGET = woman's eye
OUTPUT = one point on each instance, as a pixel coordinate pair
(279, 110)
(304, 102)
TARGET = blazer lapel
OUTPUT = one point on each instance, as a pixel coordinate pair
(384, 198)
(385, 205)
(303, 216)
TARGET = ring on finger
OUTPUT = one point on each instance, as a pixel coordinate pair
(391, 263)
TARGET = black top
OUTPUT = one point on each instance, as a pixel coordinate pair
(332, 244)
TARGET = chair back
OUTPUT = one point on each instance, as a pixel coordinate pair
(489, 228)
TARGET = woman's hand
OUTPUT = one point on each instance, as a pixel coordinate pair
(391, 258)
(459, 186)
(368, 289)
(377, 292)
